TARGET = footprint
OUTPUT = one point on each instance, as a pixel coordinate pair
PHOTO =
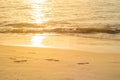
(115, 62)
(20, 61)
(17, 60)
(83, 63)
(56, 60)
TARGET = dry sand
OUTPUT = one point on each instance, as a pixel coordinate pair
(25, 63)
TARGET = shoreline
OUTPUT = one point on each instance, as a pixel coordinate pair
(61, 42)
(28, 63)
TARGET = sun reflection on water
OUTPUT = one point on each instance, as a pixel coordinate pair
(37, 40)
(39, 1)
(38, 11)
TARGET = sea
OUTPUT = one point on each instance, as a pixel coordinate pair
(85, 25)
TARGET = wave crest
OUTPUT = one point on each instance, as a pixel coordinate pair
(59, 30)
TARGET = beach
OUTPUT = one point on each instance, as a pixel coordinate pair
(28, 63)
(60, 40)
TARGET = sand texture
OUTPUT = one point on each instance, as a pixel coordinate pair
(27, 63)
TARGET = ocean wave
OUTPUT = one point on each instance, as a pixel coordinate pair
(57, 27)
(42, 29)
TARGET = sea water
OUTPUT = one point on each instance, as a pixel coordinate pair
(89, 25)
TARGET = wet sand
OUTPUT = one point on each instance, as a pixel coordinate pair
(27, 63)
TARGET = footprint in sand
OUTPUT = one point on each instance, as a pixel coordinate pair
(56, 60)
(17, 60)
(20, 61)
(83, 63)
(116, 62)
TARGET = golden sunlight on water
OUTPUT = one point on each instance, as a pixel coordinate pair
(37, 40)
(38, 1)
(38, 11)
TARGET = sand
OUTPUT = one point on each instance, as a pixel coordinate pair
(27, 63)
